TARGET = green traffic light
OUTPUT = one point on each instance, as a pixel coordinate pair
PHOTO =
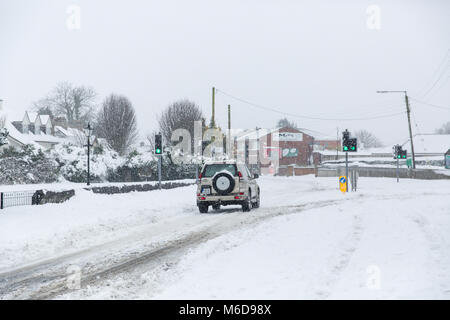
(158, 151)
(345, 148)
(353, 148)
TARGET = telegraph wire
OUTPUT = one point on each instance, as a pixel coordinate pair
(430, 104)
(307, 117)
(444, 63)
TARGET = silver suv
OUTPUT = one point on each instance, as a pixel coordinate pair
(227, 183)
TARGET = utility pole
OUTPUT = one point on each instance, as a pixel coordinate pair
(88, 134)
(213, 121)
(408, 110)
(229, 133)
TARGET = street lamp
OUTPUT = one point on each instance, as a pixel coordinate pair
(409, 120)
(88, 132)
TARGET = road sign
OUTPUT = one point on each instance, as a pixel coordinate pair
(343, 183)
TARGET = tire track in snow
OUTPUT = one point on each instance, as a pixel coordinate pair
(48, 279)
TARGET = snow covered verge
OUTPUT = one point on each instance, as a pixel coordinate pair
(387, 241)
(33, 233)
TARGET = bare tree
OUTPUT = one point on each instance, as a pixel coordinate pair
(285, 123)
(75, 103)
(116, 123)
(151, 139)
(179, 115)
(367, 139)
(445, 129)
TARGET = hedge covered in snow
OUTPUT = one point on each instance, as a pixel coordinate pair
(26, 166)
(69, 162)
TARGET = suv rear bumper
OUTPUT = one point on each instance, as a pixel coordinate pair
(233, 199)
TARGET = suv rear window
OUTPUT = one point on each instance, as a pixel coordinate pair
(211, 169)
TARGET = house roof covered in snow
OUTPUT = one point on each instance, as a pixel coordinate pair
(44, 118)
(18, 136)
(30, 138)
(31, 116)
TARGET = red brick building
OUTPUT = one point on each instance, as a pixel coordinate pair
(279, 148)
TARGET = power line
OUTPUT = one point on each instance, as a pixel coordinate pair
(437, 72)
(431, 104)
(308, 117)
(430, 96)
(314, 131)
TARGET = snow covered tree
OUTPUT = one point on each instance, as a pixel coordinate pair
(285, 123)
(75, 103)
(179, 115)
(445, 129)
(116, 123)
(367, 139)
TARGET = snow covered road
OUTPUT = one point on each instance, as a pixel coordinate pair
(307, 240)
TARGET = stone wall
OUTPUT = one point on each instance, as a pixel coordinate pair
(384, 172)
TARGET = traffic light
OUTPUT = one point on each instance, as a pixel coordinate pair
(403, 154)
(158, 144)
(399, 153)
(350, 145)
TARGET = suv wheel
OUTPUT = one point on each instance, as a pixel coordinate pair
(247, 204)
(258, 200)
(203, 208)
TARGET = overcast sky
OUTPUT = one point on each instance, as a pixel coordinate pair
(309, 58)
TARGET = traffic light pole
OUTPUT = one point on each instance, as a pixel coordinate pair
(159, 171)
(346, 172)
(88, 130)
(397, 170)
(89, 161)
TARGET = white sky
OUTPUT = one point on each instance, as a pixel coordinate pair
(313, 58)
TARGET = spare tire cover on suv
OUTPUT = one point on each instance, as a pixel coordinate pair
(223, 183)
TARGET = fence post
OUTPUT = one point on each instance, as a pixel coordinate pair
(1, 200)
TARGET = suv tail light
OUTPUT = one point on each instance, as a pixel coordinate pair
(240, 175)
(200, 177)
